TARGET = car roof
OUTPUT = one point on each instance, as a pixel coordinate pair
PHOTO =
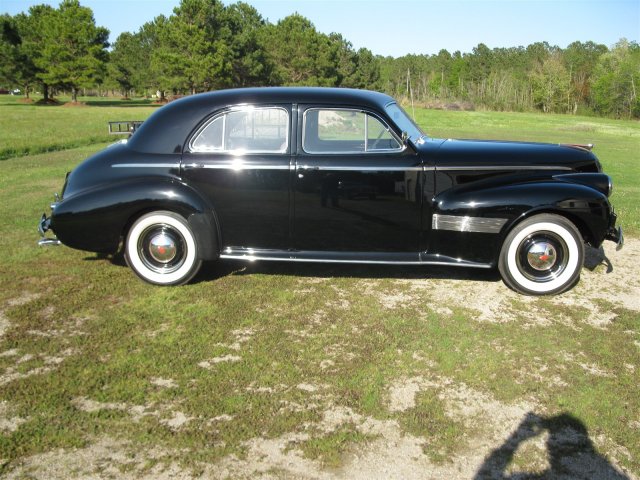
(167, 129)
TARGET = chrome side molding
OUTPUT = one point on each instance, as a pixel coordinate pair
(467, 224)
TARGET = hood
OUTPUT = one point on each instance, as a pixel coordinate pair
(491, 153)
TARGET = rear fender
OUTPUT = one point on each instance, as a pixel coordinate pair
(95, 219)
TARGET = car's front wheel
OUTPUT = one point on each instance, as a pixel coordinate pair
(161, 249)
(543, 255)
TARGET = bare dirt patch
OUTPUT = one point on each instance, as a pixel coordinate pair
(14, 302)
(104, 458)
(47, 364)
(8, 421)
(4, 323)
(611, 279)
(176, 421)
(394, 453)
(239, 338)
(164, 382)
(540, 445)
(74, 104)
(208, 364)
(167, 414)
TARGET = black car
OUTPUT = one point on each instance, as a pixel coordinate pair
(332, 175)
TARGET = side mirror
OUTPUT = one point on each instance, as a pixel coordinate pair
(405, 137)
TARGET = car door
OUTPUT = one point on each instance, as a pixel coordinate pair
(356, 185)
(239, 159)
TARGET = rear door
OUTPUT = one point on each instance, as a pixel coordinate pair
(239, 159)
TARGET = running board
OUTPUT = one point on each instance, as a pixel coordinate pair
(370, 258)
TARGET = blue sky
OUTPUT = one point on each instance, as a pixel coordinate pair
(399, 27)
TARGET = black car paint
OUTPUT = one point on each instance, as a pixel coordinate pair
(287, 206)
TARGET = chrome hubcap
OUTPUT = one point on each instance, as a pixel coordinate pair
(542, 256)
(162, 248)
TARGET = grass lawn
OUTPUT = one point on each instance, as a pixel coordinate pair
(306, 370)
(29, 129)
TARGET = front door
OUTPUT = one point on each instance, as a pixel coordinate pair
(356, 186)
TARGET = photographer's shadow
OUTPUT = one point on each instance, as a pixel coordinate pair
(570, 452)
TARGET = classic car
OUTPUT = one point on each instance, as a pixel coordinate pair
(331, 175)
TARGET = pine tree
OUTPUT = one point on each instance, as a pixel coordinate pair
(73, 49)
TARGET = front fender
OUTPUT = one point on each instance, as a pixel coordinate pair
(94, 219)
(475, 222)
(514, 202)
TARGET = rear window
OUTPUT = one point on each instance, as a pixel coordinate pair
(245, 130)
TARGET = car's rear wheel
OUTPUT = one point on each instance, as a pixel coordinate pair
(161, 249)
(543, 255)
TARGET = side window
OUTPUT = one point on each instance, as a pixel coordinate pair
(345, 131)
(247, 130)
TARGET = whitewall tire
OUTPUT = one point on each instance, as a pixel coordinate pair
(161, 249)
(542, 255)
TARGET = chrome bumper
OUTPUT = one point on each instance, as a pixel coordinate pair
(43, 226)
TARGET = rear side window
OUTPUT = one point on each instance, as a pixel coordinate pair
(245, 130)
(346, 131)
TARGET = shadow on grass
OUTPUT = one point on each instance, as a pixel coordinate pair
(121, 103)
(214, 270)
(32, 104)
(87, 103)
(593, 257)
(570, 452)
(116, 259)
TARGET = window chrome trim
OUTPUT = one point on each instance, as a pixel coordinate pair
(467, 224)
(421, 138)
(240, 108)
(401, 145)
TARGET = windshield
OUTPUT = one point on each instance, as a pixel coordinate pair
(402, 120)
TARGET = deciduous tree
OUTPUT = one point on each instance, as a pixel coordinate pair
(617, 80)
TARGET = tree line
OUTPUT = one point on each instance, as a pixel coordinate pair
(206, 45)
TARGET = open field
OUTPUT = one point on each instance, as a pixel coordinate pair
(306, 371)
(30, 129)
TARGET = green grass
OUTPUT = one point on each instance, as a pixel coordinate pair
(109, 335)
(329, 448)
(27, 129)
